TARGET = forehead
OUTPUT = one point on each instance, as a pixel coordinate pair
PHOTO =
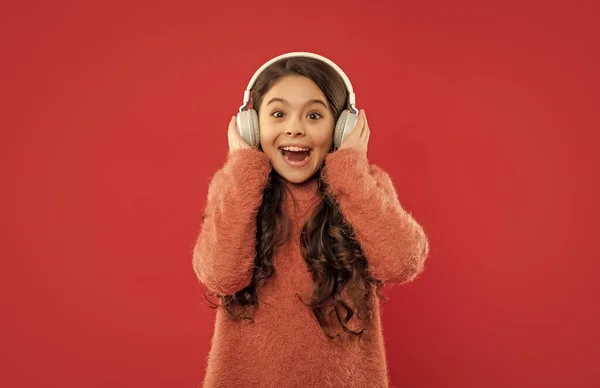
(295, 89)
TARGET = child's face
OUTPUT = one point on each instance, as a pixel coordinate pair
(295, 111)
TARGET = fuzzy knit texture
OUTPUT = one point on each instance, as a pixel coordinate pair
(285, 347)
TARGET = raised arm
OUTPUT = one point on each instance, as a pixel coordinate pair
(224, 253)
(394, 244)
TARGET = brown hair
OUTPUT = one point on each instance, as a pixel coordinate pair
(343, 283)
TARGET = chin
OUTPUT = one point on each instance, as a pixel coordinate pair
(294, 178)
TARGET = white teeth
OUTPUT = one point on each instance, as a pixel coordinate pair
(295, 149)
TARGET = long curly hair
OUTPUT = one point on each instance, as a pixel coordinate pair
(343, 284)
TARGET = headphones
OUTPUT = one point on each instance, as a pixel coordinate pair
(247, 119)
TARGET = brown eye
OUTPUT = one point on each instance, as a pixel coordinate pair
(314, 116)
(277, 114)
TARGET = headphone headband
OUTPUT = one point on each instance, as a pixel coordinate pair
(351, 96)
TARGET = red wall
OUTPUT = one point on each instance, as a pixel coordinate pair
(114, 118)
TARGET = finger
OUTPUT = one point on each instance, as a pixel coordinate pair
(359, 123)
(232, 123)
(357, 127)
(366, 129)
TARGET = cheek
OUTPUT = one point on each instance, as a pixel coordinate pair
(324, 139)
(267, 135)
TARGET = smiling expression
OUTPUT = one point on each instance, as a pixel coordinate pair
(295, 113)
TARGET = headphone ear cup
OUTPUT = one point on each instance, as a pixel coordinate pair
(247, 125)
(343, 127)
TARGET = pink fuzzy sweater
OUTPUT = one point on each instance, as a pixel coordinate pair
(285, 347)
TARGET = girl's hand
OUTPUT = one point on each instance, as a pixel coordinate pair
(359, 137)
(236, 141)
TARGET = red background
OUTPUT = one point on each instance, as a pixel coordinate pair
(114, 118)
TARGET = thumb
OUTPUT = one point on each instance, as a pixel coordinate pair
(232, 123)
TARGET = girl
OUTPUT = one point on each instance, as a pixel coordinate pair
(298, 238)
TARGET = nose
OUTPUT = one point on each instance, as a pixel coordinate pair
(294, 132)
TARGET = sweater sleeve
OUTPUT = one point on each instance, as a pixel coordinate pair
(224, 254)
(394, 244)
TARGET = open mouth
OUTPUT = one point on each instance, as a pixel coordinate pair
(295, 154)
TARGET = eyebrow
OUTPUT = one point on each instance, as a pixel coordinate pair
(313, 101)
